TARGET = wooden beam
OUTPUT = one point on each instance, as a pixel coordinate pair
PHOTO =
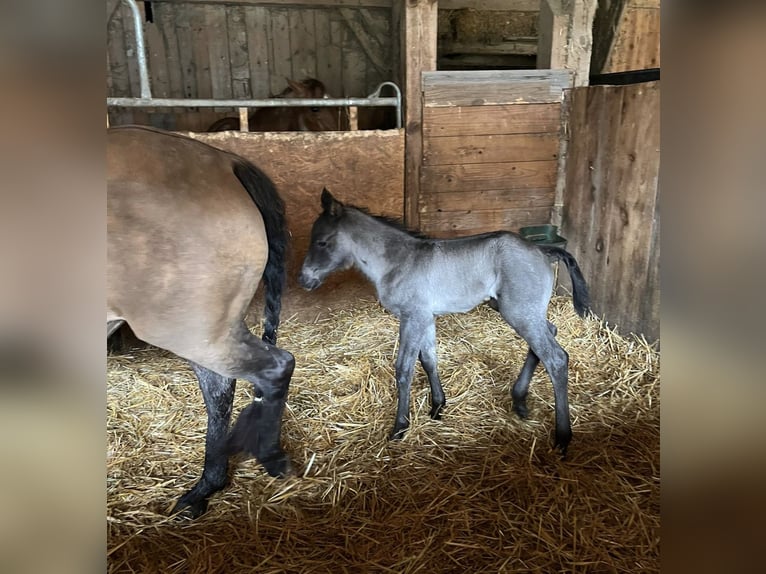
(368, 43)
(488, 5)
(419, 39)
(518, 46)
(553, 27)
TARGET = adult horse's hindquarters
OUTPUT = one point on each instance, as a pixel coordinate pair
(191, 230)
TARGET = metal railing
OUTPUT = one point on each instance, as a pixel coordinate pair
(146, 99)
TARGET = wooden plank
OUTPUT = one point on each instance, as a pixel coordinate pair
(637, 42)
(279, 41)
(490, 149)
(519, 47)
(419, 39)
(553, 33)
(479, 87)
(328, 52)
(186, 61)
(302, 43)
(218, 50)
(156, 58)
(354, 63)
(201, 56)
(461, 223)
(166, 17)
(118, 74)
(364, 168)
(485, 120)
(258, 50)
(369, 43)
(478, 176)
(487, 200)
(238, 52)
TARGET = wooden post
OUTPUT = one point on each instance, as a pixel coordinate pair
(419, 32)
(566, 37)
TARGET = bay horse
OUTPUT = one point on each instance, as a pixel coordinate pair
(292, 119)
(191, 231)
(417, 278)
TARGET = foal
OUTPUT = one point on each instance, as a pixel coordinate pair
(417, 278)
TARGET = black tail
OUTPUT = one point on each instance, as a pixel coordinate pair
(580, 296)
(272, 208)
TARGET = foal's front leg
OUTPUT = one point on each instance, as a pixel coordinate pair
(412, 330)
(428, 360)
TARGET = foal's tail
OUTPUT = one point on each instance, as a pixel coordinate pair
(580, 296)
(266, 198)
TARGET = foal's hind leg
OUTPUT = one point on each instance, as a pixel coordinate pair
(521, 386)
(218, 392)
(428, 360)
(555, 359)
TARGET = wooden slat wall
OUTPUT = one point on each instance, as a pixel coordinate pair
(362, 168)
(611, 203)
(244, 50)
(490, 149)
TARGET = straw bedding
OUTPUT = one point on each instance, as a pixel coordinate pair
(478, 491)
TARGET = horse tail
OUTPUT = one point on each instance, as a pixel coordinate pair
(272, 208)
(580, 296)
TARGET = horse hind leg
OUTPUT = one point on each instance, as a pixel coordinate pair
(258, 429)
(542, 343)
(521, 386)
(218, 393)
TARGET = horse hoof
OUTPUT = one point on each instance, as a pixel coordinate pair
(521, 410)
(562, 442)
(189, 510)
(278, 466)
(397, 434)
(436, 412)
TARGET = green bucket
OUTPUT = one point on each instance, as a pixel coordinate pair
(543, 235)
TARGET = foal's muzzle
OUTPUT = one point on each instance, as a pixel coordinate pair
(308, 281)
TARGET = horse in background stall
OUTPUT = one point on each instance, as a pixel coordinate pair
(292, 119)
(191, 231)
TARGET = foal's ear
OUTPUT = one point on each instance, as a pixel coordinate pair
(331, 205)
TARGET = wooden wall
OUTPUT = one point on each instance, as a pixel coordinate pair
(626, 36)
(209, 49)
(362, 167)
(611, 202)
(490, 149)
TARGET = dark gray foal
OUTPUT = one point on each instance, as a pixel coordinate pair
(417, 278)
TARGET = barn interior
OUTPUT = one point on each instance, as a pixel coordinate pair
(515, 113)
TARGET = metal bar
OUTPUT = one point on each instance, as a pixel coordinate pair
(143, 70)
(271, 103)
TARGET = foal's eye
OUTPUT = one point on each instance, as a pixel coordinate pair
(321, 244)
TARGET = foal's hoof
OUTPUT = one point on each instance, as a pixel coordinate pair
(520, 409)
(188, 509)
(562, 442)
(397, 434)
(278, 466)
(436, 412)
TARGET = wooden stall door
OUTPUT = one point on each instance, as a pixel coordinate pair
(490, 150)
(611, 201)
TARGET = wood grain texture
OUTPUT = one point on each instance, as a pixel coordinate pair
(493, 87)
(487, 120)
(636, 44)
(466, 222)
(363, 168)
(486, 200)
(476, 177)
(453, 150)
(611, 203)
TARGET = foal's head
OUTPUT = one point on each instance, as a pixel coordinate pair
(327, 251)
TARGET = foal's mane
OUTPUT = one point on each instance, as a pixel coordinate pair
(391, 222)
